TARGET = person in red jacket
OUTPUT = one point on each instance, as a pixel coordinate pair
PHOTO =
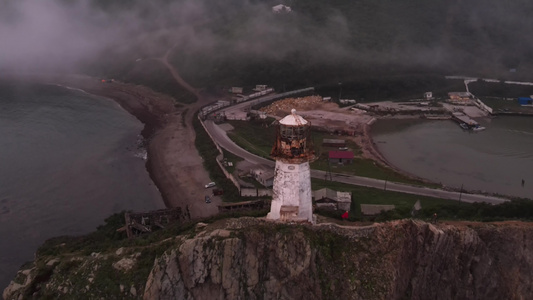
(345, 216)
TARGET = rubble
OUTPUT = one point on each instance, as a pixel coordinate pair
(284, 106)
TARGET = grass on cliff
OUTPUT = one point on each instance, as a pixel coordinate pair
(517, 209)
(364, 195)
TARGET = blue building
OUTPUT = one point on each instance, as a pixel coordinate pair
(525, 101)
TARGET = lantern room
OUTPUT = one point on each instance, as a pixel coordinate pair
(293, 143)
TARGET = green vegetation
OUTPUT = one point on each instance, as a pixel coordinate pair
(482, 88)
(230, 157)
(258, 137)
(364, 195)
(497, 103)
(390, 87)
(242, 43)
(209, 152)
(518, 209)
(502, 97)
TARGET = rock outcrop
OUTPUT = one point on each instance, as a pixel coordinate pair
(248, 258)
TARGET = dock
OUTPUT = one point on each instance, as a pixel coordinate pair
(462, 118)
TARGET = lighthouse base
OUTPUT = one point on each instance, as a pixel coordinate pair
(291, 193)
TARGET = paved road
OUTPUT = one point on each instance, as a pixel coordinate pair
(220, 136)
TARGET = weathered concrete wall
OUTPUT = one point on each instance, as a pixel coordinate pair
(292, 187)
(253, 192)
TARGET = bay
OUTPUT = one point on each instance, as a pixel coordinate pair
(68, 160)
(495, 160)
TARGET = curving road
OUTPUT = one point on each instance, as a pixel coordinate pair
(222, 139)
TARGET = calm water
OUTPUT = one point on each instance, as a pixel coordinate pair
(494, 160)
(68, 160)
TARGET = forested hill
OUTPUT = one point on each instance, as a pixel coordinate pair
(243, 42)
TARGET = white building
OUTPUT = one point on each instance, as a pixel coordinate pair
(292, 197)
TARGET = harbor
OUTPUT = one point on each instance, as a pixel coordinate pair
(465, 122)
(464, 114)
(497, 159)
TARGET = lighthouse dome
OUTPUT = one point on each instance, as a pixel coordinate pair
(293, 119)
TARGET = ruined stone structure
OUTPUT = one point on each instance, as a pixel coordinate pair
(292, 198)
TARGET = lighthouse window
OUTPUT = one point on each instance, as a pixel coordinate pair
(291, 133)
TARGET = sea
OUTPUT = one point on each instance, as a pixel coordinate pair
(496, 160)
(68, 160)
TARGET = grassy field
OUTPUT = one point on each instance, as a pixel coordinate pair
(230, 157)
(508, 105)
(258, 139)
(403, 202)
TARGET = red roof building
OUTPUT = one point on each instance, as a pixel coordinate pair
(341, 157)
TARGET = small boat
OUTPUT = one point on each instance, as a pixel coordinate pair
(464, 126)
(478, 128)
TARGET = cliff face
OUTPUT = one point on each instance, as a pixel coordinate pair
(251, 259)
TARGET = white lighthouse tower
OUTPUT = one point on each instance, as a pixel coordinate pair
(292, 199)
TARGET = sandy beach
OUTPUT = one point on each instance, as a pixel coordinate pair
(173, 161)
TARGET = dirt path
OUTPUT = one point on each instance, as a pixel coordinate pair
(175, 163)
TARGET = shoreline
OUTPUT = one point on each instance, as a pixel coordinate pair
(173, 163)
(370, 150)
(148, 107)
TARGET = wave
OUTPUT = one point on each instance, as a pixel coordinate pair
(71, 88)
(520, 131)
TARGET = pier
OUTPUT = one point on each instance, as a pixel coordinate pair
(462, 118)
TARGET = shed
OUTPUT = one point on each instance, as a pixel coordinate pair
(374, 209)
(459, 96)
(333, 143)
(331, 199)
(341, 157)
(264, 175)
(416, 208)
(260, 87)
(344, 200)
(236, 90)
(525, 100)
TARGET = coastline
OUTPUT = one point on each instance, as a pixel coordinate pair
(371, 151)
(173, 163)
(149, 108)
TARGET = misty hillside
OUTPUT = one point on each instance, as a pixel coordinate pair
(214, 43)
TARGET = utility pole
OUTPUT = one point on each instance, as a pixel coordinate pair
(329, 172)
(340, 90)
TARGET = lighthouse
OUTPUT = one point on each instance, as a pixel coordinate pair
(291, 197)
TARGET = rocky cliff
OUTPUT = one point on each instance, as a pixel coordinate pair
(248, 258)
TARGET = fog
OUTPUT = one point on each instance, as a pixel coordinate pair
(69, 35)
(47, 35)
